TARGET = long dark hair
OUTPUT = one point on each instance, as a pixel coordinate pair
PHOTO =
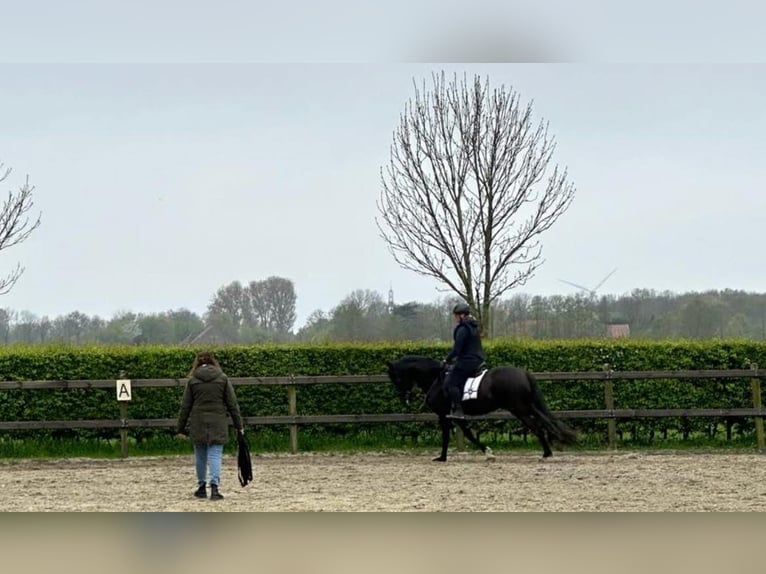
(203, 358)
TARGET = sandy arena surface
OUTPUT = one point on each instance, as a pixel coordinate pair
(397, 482)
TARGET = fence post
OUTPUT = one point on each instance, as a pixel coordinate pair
(124, 430)
(611, 424)
(460, 438)
(292, 410)
(755, 385)
(123, 422)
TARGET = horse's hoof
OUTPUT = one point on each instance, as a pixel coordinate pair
(440, 459)
(489, 454)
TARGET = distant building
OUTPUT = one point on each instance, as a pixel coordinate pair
(617, 326)
(618, 330)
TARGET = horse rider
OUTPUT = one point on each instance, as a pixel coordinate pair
(467, 353)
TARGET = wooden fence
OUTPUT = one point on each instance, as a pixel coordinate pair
(293, 420)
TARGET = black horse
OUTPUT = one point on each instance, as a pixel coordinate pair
(507, 388)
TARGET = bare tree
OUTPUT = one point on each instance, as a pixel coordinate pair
(273, 303)
(15, 225)
(468, 191)
(230, 303)
(279, 300)
(267, 306)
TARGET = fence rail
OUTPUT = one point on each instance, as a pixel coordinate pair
(346, 379)
(293, 420)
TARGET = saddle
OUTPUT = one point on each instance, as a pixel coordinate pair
(471, 387)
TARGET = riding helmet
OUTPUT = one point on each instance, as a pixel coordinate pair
(461, 309)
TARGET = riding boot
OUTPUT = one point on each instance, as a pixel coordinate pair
(201, 492)
(457, 404)
(214, 494)
(457, 410)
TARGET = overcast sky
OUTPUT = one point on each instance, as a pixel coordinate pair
(160, 182)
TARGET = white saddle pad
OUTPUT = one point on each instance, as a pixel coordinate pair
(471, 388)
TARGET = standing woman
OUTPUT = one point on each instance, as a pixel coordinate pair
(208, 396)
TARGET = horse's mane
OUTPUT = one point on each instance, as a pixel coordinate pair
(416, 362)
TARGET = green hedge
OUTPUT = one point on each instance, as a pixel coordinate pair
(102, 362)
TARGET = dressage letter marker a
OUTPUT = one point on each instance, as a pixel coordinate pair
(123, 390)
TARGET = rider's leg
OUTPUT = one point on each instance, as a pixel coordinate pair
(455, 390)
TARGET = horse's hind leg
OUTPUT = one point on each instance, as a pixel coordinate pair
(475, 441)
(538, 430)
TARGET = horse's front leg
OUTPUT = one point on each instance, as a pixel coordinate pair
(475, 441)
(446, 425)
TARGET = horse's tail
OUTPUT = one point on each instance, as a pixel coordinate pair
(562, 432)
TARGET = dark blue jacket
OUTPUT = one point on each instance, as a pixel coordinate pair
(467, 349)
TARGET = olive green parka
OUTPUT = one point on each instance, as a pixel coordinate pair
(208, 396)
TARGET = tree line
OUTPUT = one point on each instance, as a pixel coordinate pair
(265, 311)
(469, 189)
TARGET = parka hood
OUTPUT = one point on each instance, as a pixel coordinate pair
(207, 373)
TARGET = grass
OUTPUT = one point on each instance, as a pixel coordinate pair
(366, 440)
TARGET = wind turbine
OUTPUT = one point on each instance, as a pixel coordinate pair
(591, 292)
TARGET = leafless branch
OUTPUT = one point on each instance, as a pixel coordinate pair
(468, 189)
(15, 224)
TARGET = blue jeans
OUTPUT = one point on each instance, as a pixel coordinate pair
(208, 454)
